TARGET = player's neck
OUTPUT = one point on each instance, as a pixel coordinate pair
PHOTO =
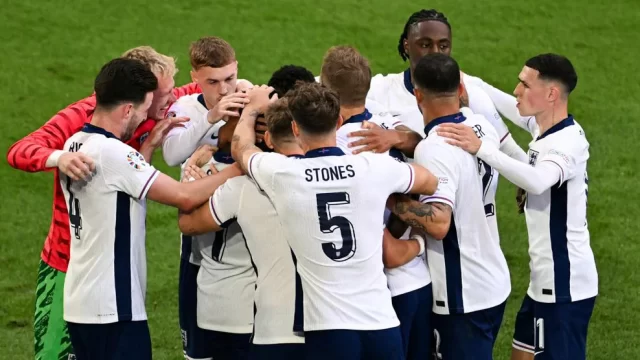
(551, 117)
(107, 122)
(348, 112)
(288, 149)
(317, 142)
(440, 108)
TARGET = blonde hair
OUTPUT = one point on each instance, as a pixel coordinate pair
(347, 72)
(159, 64)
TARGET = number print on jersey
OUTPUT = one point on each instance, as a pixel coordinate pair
(75, 219)
(329, 224)
(487, 179)
(219, 243)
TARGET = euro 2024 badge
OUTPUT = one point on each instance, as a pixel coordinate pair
(136, 161)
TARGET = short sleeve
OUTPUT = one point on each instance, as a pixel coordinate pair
(124, 169)
(439, 159)
(225, 201)
(262, 166)
(397, 176)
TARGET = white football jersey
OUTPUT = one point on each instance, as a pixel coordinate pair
(193, 107)
(563, 267)
(275, 297)
(354, 123)
(107, 276)
(227, 278)
(331, 207)
(468, 269)
(394, 94)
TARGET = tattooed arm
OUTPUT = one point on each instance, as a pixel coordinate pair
(244, 136)
(434, 218)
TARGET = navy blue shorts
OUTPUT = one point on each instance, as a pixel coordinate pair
(414, 312)
(553, 331)
(223, 346)
(192, 336)
(354, 344)
(276, 351)
(467, 336)
(116, 341)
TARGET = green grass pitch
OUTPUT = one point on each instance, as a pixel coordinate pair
(53, 49)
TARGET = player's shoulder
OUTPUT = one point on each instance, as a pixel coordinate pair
(383, 119)
(571, 136)
(382, 82)
(483, 128)
(187, 103)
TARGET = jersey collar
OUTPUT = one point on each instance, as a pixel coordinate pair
(223, 157)
(201, 101)
(92, 129)
(295, 156)
(455, 118)
(407, 81)
(557, 127)
(324, 151)
(358, 118)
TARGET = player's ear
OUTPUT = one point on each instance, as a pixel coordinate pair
(193, 76)
(268, 140)
(405, 45)
(295, 129)
(340, 122)
(554, 93)
(127, 110)
(418, 94)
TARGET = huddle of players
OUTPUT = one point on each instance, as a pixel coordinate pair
(285, 261)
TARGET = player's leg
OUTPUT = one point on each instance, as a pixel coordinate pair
(333, 344)
(276, 351)
(51, 337)
(187, 305)
(523, 345)
(468, 336)
(561, 329)
(422, 330)
(219, 345)
(382, 344)
(127, 340)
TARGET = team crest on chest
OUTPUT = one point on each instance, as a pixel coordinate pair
(136, 161)
(533, 157)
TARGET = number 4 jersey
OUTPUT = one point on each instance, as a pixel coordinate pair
(331, 207)
(107, 276)
(468, 269)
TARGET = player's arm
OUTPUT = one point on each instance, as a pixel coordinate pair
(431, 215)
(505, 103)
(213, 215)
(511, 148)
(377, 139)
(549, 170)
(244, 136)
(396, 252)
(43, 149)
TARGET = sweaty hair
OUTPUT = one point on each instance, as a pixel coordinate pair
(279, 120)
(315, 108)
(555, 67)
(123, 80)
(347, 72)
(160, 64)
(211, 51)
(437, 74)
(285, 78)
(416, 18)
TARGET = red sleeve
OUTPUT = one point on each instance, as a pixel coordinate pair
(141, 133)
(191, 88)
(31, 152)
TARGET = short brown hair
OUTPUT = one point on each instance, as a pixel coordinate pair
(347, 72)
(211, 51)
(159, 64)
(279, 120)
(315, 108)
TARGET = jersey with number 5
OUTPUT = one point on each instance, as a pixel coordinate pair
(468, 269)
(331, 207)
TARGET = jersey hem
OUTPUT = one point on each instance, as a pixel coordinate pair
(357, 327)
(291, 339)
(102, 319)
(564, 299)
(471, 309)
(227, 329)
(407, 289)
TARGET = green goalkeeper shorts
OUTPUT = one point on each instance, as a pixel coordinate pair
(52, 341)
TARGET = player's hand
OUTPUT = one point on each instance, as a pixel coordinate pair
(259, 98)
(243, 85)
(261, 128)
(373, 138)
(76, 166)
(521, 200)
(229, 105)
(192, 173)
(201, 156)
(161, 129)
(460, 135)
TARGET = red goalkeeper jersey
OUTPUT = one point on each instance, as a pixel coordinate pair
(31, 153)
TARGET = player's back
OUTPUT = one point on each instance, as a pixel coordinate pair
(354, 123)
(468, 269)
(563, 268)
(331, 206)
(106, 278)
